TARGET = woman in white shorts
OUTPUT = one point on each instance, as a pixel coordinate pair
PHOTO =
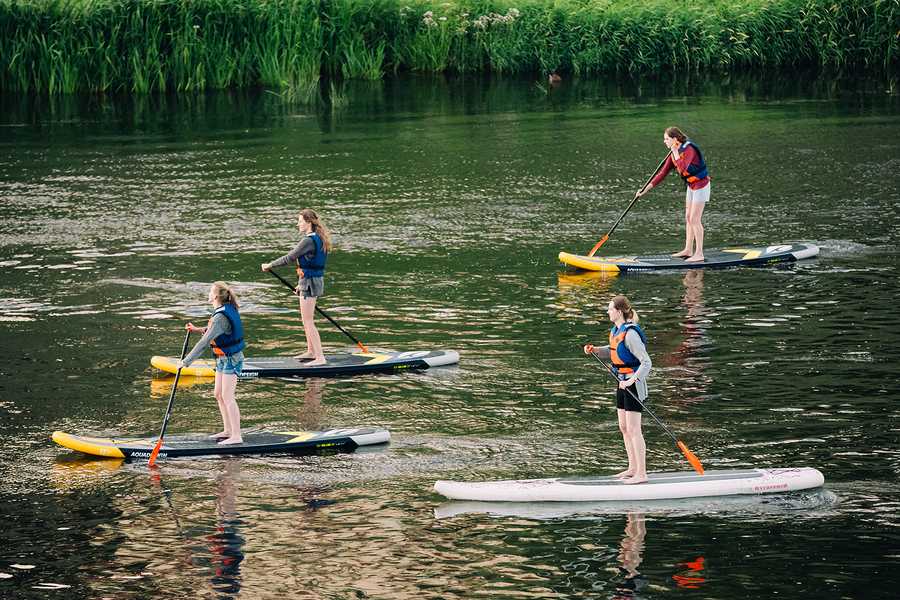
(686, 158)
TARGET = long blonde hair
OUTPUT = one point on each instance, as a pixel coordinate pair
(621, 303)
(318, 226)
(224, 294)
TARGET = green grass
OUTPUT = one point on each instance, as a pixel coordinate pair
(63, 46)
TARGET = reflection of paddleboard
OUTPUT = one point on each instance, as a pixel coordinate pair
(338, 364)
(770, 504)
(257, 442)
(659, 486)
(741, 256)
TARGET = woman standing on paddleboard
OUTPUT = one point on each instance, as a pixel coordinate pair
(225, 334)
(309, 255)
(686, 158)
(627, 351)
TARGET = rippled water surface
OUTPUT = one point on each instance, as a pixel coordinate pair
(449, 201)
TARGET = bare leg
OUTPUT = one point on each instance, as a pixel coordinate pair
(633, 421)
(231, 414)
(313, 341)
(623, 427)
(218, 392)
(688, 234)
(696, 226)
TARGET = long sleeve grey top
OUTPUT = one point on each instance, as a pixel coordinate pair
(636, 346)
(220, 324)
(303, 248)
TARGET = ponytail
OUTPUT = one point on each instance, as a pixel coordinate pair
(622, 304)
(224, 294)
(318, 226)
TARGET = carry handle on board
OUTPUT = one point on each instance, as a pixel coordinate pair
(322, 312)
(690, 456)
(622, 216)
(165, 424)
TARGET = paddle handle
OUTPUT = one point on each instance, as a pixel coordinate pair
(322, 312)
(165, 424)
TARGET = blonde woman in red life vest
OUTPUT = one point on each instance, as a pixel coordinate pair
(627, 351)
(309, 256)
(685, 157)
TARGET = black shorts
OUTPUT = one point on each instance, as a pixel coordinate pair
(625, 399)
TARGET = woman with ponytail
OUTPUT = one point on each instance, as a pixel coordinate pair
(685, 157)
(627, 351)
(310, 255)
(225, 334)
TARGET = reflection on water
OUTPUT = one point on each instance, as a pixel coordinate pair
(631, 556)
(449, 200)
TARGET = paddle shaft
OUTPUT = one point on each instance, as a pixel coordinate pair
(635, 396)
(162, 432)
(622, 216)
(322, 312)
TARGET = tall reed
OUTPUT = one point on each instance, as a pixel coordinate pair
(61, 46)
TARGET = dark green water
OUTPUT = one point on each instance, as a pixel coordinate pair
(449, 202)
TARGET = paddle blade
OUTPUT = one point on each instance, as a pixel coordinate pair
(155, 452)
(362, 347)
(691, 458)
(598, 244)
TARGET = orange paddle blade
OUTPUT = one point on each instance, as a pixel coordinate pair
(691, 458)
(362, 347)
(598, 244)
(155, 452)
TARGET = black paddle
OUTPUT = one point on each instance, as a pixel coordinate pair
(691, 458)
(622, 216)
(165, 424)
(321, 312)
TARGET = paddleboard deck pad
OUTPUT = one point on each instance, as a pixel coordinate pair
(259, 442)
(336, 365)
(658, 487)
(738, 256)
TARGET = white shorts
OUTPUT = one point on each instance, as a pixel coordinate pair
(701, 195)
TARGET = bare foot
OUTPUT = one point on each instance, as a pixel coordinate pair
(695, 258)
(305, 356)
(219, 436)
(635, 480)
(682, 254)
(232, 440)
(316, 363)
(625, 473)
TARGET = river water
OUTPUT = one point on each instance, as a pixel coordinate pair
(449, 201)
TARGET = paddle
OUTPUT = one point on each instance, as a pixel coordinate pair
(165, 424)
(691, 458)
(622, 216)
(321, 312)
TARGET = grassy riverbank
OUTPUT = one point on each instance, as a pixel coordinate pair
(158, 45)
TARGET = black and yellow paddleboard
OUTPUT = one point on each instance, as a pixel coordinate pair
(336, 365)
(743, 256)
(258, 442)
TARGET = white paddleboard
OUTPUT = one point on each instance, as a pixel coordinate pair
(659, 486)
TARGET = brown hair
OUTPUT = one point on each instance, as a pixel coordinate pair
(676, 134)
(318, 226)
(224, 294)
(621, 303)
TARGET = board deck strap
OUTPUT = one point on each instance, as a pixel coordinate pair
(742, 256)
(257, 442)
(336, 365)
(659, 486)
